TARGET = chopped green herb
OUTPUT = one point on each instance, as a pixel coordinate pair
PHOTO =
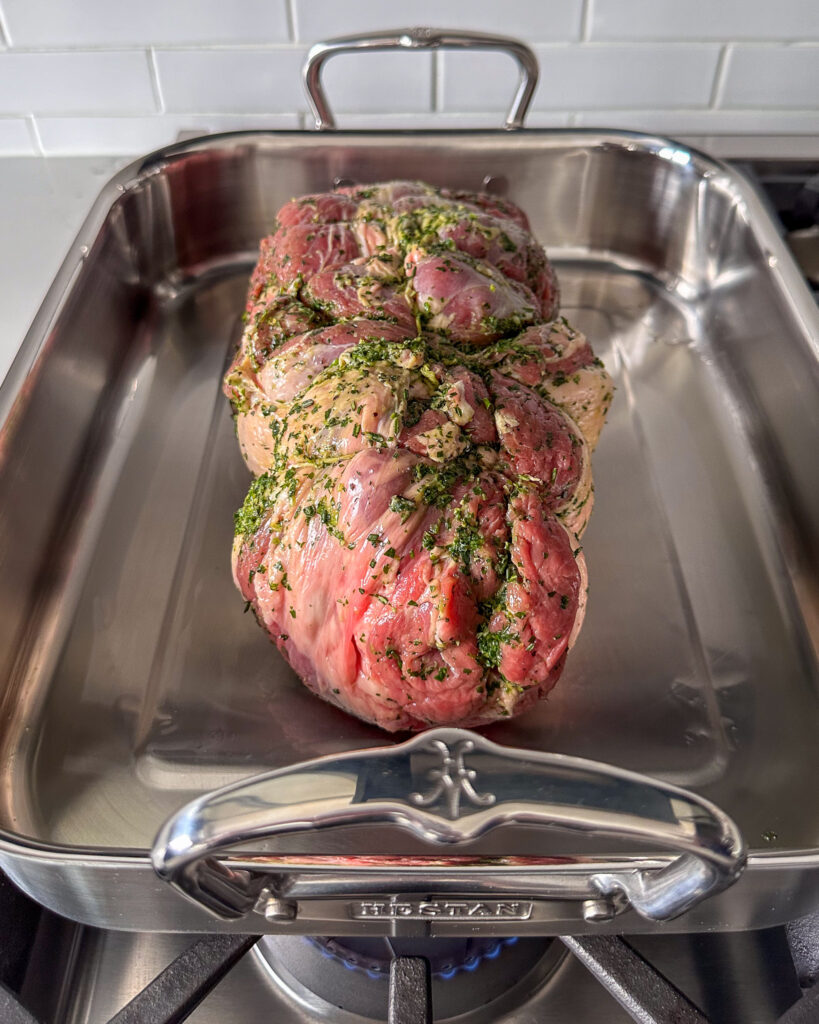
(402, 506)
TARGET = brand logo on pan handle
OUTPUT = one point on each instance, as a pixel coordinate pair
(452, 780)
(395, 909)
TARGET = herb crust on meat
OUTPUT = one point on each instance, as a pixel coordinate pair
(420, 422)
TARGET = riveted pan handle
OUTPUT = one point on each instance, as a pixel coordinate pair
(420, 39)
(448, 787)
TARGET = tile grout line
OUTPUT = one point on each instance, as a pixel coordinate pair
(718, 87)
(156, 87)
(150, 115)
(586, 21)
(50, 51)
(34, 134)
(112, 114)
(287, 46)
(292, 19)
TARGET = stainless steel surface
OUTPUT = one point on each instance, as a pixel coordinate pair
(190, 978)
(43, 203)
(645, 995)
(516, 970)
(451, 787)
(733, 979)
(420, 39)
(467, 974)
(555, 991)
(132, 683)
(805, 246)
(756, 146)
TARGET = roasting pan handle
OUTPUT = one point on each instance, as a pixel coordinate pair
(420, 39)
(450, 786)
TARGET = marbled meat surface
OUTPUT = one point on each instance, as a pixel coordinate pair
(420, 423)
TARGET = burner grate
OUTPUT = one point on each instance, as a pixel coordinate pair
(447, 957)
(470, 975)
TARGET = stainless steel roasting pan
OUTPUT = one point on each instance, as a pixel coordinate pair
(132, 683)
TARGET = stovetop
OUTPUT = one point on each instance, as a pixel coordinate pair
(791, 188)
(52, 970)
(84, 976)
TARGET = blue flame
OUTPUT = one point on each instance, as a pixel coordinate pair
(471, 965)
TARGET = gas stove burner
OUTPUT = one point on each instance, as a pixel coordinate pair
(478, 976)
(446, 956)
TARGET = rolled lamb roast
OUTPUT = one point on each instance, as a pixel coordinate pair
(420, 424)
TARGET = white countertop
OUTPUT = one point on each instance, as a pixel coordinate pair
(44, 200)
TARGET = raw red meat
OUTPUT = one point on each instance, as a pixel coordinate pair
(428, 221)
(373, 287)
(421, 431)
(465, 299)
(291, 255)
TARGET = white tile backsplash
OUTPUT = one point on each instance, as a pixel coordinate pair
(231, 81)
(110, 82)
(574, 77)
(703, 19)
(439, 120)
(15, 137)
(131, 136)
(771, 76)
(526, 19)
(264, 81)
(90, 76)
(56, 23)
(701, 122)
(384, 83)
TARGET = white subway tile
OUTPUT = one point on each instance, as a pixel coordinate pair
(440, 121)
(702, 122)
(802, 147)
(240, 81)
(149, 22)
(648, 75)
(231, 81)
(704, 19)
(527, 19)
(415, 122)
(15, 138)
(387, 83)
(548, 119)
(476, 81)
(76, 83)
(771, 76)
(130, 136)
(574, 77)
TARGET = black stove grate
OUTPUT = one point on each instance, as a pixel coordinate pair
(446, 957)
